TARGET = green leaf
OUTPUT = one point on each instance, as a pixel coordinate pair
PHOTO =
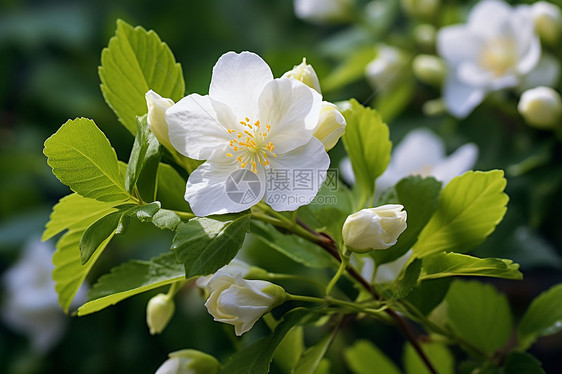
(290, 349)
(522, 363)
(368, 146)
(442, 265)
(479, 315)
(166, 219)
(69, 273)
(292, 246)
(363, 357)
(205, 244)
(72, 212)
(82, 158)
(132, 278)
(409, 280)
(312, 357)
(438, 355)
(419, 197)
(144, 141)
(544, 317)
(171, 189)
(469, 209)
(134, 62)
(256, 357)
(428, 294)
(97, 233)
(351, 70)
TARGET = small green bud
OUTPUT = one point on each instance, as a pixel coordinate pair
(189, 361)
(541, 107)
(159, 311)
(429, 69)
(306, 74)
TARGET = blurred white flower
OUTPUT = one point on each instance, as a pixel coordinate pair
(421, 152)
(374, 228)
(31, 303)
(493, 50)
(189, 361)
(384, 71)
(324, 11)
(385, 273)
(541, 107)
(548, 21)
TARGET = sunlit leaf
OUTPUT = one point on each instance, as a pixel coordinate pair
(363, 357)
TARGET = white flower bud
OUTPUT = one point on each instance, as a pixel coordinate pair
(331, 125)
(240, 302)
(374, 228)
(159, 311)
(429, 69)
(384, 71)
(541, 107)
(420, 8)
(548, 21)
(304, 73)
(324, 11)
(189, 361)
(156, 118)
(235, 268)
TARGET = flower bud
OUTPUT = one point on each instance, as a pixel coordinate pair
(189, 361)
(541, 107)
(240, 302)
(374, 228)
(420, 8)
(234, 268)
(324, 11)
(331, 125)
(429, 69)
(304, 73)
(548, 21)
(383, 71)
(156, 118)
(159, 311)
(425, 36)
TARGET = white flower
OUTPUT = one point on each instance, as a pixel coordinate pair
(374, 228)
(31, 303)
(189, 361)
(306, 74)
(324, 11)
(156, 118)
(421, 153)
(541, 107)
(384, 71)
(548, 21)
(235, 268)
(241, 302)
(248, 122)
(492, 51)
(159, 311)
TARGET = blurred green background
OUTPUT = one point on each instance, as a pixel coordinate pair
(49, 54)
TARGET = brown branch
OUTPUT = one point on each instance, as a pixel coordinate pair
(329, 245)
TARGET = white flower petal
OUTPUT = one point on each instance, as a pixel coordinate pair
(311, 160)
(456, 44)
(531, 57)
(462, 160)
(460, 98)
(546, 73)
(194, 128)
(238, 79)
(292, 109)
(215, 188)
(488, 17)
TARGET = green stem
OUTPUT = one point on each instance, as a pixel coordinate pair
(184, 215)
(341, 270)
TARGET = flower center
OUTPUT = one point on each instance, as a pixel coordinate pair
(498, 56)
(250, 146)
